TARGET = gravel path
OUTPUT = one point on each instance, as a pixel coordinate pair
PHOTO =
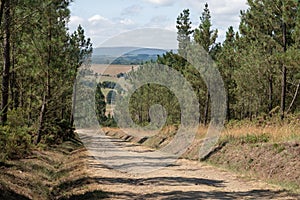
(130, 171)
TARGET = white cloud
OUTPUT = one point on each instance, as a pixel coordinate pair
(224, 13)
(97, 18)
(216, 6)
(100, 29)
(75, 20)
(227, 7)
(161, 2)
(126, 21)
(132, 10)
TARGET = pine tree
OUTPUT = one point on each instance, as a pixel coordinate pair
(184, 31)
(79, 51)
(100, 105)
(228, 63)
(40, 60)
(7, 61)
(204, 35)
(271, 24)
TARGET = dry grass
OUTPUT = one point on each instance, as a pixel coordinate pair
(276, 131)
(112, 70)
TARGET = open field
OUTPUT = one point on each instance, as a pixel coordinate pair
(112, 70)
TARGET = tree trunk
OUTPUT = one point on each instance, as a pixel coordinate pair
(73, 103)
(294, 98)
(283, 92)
(13, 82)
(200, 107)
(284, 73)
(228, 116)
(270, 93)
(206, 107)
(41, 121)
(1, 10)
(6, 66)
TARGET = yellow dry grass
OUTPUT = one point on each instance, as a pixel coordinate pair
(112, 70)
(279, 132)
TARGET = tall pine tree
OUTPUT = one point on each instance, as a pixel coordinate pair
(184, 31)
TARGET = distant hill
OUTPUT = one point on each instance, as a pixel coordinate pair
(112, 51)
(125, 55)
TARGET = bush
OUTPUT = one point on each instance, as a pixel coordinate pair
(253, 139)
(17, 117)
(57, 132)
(15, 142)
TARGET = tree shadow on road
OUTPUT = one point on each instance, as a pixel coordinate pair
(11, 195)
(168, 181)
(93, 195)
(193, 195)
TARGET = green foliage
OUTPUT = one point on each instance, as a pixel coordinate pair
(58, 131)
(278, 147)
(204, 35)
(17, 118)
(149, 95)
(267, 39)
(250, 62)
(254, 139)
(44, 60)
(106, 121)
(184, 31)
(15, 142)
(100, 105)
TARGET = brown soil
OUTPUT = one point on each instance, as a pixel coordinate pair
(278, 163)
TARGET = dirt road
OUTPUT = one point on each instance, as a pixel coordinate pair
(120, 170)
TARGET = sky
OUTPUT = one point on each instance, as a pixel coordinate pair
(106, 21)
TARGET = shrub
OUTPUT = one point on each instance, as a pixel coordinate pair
(17, 118)
(57, 132)
(15, 142)
(252, 139)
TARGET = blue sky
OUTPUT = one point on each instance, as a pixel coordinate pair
(106, 19)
